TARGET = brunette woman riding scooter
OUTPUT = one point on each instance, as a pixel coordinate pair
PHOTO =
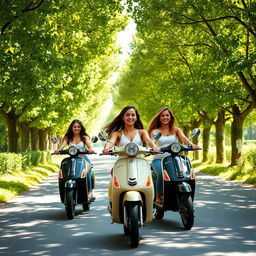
(75, 176)
(131, 189)
(176, 192)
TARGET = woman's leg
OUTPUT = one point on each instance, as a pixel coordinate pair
(89, 178)
(157, 166)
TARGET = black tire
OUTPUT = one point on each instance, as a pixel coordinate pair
(126, 230)
(134, 225)
(70, 206)
(159, 214)
(187, 213)
(86, 206)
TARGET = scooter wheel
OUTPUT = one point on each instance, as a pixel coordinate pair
(187, 214)
(70, 206)
(159, 214)
(126, 230)
(86, 207)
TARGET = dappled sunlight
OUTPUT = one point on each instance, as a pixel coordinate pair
(36, 222)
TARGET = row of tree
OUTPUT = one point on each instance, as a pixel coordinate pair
(56, 58)
(197, 57)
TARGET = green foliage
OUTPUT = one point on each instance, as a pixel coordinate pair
(187, 55)
(56, 58)
(11, 162)
(34, 158)
(251, 158)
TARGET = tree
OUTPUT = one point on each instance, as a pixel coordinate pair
(47, 52)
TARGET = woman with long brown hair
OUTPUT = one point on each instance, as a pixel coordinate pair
(77, 136)
(127, 127)
(165, 122)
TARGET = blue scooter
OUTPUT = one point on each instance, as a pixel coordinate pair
(178, 182)
(73, 183)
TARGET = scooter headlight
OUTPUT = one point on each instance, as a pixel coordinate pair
(175, 147)
(72, 150)
(131, 149)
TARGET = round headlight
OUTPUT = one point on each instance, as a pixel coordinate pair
(72, 150)
(131, 149)
(175, 147)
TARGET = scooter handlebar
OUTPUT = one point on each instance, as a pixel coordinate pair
(110, 152)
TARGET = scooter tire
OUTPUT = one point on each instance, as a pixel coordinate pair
(159, 214)
(134, 225)
(86, 207)
(187, 213)
(70, 206)
(126, 231)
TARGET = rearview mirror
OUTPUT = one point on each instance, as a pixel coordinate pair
(195, 132)
(54, 139)
(156, 134)
(103, 136)
(94, 139)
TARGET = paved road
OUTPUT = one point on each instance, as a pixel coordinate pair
(35, 223)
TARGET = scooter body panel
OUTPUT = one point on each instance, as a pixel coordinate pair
(179, 170)
(178, 167)
(132, 175)
(71, 169)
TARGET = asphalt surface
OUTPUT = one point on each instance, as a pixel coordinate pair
(35, 223)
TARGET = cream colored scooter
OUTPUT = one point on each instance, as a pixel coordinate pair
(131, 191)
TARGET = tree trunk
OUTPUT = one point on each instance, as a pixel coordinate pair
(42, 140)
(34, 139)
(236, 139)
(24, 136)
(237, 132)
(195, 140)
(13, 135)
(219, 136)
(186, 131)
(206, 142)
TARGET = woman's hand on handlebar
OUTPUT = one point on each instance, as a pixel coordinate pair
(57, 151)
(195, 147)
(105, 150)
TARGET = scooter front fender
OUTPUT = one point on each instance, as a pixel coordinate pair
(70, 184)
(184, 188)
(132, 196)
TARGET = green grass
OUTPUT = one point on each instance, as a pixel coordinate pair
(241, 173)
(13, 184)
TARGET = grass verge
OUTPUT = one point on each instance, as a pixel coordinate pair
(239, 173)
(13, 184)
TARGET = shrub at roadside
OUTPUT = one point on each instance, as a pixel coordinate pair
(18, 172)
(11, 162)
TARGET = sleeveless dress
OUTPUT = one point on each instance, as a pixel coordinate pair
(124, 140)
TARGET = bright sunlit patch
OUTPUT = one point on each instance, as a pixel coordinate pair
(31, 223)
(250, 227)
(250, 242)
(229, 253)
(52, 245)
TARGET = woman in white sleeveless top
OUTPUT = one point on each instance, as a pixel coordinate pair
(127, 127)
(165, 122)
(76, 135)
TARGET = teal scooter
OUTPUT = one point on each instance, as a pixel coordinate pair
(178, 182)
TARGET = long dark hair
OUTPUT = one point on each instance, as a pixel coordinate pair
(70, 134)
(118, 123)
(155, 121)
